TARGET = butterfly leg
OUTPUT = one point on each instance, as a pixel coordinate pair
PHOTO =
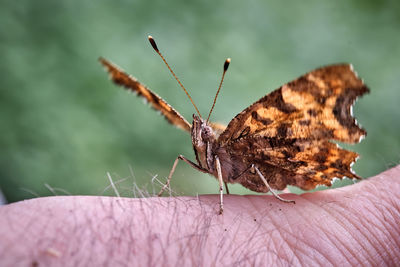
(180, 157)
(226, 188)
(269, 188)
(221, 188)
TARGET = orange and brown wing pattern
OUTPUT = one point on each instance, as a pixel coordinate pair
(305, 163)
(315, 106)
(123, 79)
(286, 133)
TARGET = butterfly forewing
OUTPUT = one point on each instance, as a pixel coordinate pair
(315, 106)
(123, 79)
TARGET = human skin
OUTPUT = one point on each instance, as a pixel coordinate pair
(358, 225)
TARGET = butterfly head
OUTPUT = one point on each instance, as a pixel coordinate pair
(202, 133)
(203, 140)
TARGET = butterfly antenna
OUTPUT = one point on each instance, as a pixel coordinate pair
(226, 65)
(154, 45)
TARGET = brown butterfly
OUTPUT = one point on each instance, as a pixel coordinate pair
(282, 139)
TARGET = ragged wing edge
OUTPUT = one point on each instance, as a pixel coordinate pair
(121, 78)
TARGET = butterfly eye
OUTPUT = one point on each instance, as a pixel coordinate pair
(206, 133)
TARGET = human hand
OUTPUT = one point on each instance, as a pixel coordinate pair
(354, 225)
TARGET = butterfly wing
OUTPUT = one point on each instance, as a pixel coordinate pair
(288, 131)
(303, 163)
(218, 128)
(315, 106)
(123, 79)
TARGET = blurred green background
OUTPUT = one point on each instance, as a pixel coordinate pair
(64, 125)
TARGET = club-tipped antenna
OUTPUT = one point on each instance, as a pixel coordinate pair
(226, 65)
(154, 45)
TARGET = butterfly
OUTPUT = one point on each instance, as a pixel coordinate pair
(285, 138)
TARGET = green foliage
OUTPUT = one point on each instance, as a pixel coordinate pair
(63, 123)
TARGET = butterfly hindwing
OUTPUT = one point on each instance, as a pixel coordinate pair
(302, 163)
(123, 79)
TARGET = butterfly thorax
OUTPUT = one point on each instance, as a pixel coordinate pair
(204, 143)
